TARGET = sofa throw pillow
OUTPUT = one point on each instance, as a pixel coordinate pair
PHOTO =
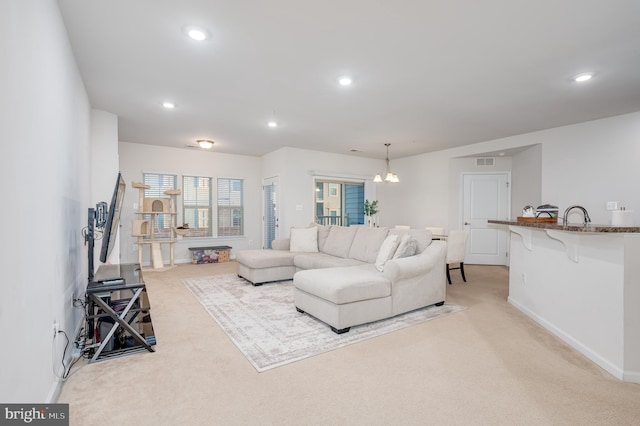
(422, 237)
(406, 248)
(339, 241)
(387, 249)
(304, 240)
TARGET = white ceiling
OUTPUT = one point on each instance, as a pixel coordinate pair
(427, 74)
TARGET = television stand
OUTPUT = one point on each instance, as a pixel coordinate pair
(118, 318)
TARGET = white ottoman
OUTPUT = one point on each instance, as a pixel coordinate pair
(343, 297)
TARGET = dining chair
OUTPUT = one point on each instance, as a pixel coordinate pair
(456, 247)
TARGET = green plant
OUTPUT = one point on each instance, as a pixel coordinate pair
(370, 208)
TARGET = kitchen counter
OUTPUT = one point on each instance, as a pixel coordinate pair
(571, 227)
(581, 283)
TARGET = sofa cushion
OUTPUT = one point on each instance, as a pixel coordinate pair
(322, 260)
(304, 240)
(387, 250)
(265, 258)
(323, 233)
(406, 248)
(422, 236)
(343, 285)
(366, 243)
(339, 241)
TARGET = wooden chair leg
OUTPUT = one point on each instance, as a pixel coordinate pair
(448, 275)
(462, 272)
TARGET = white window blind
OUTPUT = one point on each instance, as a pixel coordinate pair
(230, 207)
(196, 205)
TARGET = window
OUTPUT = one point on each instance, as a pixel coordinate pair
(196, 205)
(230, 208)
(159, 182)
(343, 206)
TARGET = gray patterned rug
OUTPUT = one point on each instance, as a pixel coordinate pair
(264, 324)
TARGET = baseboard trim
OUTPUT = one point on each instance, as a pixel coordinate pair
(603, 363)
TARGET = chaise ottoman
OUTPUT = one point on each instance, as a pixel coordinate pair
(343, 297)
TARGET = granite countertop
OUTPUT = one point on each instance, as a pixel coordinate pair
(571, 227)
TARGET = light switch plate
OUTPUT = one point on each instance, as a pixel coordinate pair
(612, 205)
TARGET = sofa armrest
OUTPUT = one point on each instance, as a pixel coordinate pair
(434, 256)
(281, 244)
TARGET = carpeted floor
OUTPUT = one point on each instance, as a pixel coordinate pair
(488, 364)
(263, 323)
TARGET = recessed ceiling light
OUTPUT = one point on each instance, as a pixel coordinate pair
(583, 77)
(272, 124)
(168, 105)
(344, 80)
(205, 143)
(196, 33)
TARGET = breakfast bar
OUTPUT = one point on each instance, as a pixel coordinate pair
(582, 283)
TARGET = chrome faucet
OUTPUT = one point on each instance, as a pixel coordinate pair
(587, 219)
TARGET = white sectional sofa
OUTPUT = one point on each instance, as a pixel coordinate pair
(347, 276)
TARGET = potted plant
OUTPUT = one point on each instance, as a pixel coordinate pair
(370, 210)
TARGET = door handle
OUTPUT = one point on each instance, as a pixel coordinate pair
(467, 223)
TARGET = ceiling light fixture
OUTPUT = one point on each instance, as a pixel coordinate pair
(345, 81)
(583, 77)
(205, 143)
(390, 177)
(272, 124)
(196, 33)
(169, 105)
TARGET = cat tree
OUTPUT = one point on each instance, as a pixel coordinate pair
(145, 229)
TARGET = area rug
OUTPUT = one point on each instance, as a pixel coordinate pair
(263, 322)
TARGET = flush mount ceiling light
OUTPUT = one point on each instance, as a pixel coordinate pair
(169, 105)
(345, 80)
(272, 124)
(581, 78)
(390, 177)
(205, 143)
(196, 33)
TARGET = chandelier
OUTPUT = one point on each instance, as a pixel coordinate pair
(390, 177)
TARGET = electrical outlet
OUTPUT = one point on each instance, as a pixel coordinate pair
(524, 278)
(134, 247)
(56, 328)
(135, 206)
(612, 205)
(250, 243)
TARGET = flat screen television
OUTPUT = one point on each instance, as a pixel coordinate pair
(113, 220)
(106, 220)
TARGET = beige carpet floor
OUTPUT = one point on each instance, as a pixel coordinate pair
(489, 364)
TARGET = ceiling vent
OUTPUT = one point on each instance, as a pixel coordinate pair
(485, 161)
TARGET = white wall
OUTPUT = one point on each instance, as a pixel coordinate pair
(588, 164)
(104, 168)
(526, 180)
(138, 158)
(592, 163)
(45, 156)
(297, 169)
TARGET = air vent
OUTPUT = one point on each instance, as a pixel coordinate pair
(485, 161)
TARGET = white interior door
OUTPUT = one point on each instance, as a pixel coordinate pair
(486, 196)
(270, 217)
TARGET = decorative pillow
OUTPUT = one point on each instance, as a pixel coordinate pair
(304, 240)
(407, 247)
(387, 249)
(422, 237)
